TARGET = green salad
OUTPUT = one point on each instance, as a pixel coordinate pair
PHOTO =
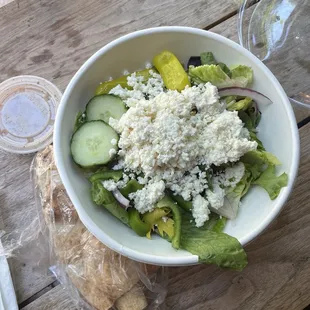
(171, 151)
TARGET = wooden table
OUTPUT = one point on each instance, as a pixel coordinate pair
(52, 38)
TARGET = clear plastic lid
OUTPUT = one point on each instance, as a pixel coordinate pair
(28, 106)
(278, 33)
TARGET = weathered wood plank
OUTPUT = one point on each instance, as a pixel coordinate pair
(277, 276)
(291, 85)
(52, 39)
(17, 209)
(55, 299)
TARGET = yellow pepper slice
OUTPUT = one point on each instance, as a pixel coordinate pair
(171, 71)
(105, 87)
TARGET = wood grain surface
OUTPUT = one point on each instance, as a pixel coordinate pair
(278, 273)
(293, 83)
(52, 39)
(55, 299)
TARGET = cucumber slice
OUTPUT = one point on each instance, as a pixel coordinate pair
(103, 107)
(91, 144)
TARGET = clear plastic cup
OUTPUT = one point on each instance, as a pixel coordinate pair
(278, 33)
(28, 106)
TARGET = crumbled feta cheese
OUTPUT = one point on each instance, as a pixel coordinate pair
(165, 219)
(223, 140)
(167, 135)
(110, 185)
(113, 141)
(145, 199)
(141, 88)
(216, 197)
(189, 185)
(112, 152)
(200, 210)
(148, 65)
(119, 165)
(232, 175)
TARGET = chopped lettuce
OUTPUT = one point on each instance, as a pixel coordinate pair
(217, 76)
(211, 245)
(271, 183)
(241, 105)
(207, 58)
(261, 166)
(250, 118)
(242, 72)
(260, 158)
(225, 69)
(254, 137)
(232, 201)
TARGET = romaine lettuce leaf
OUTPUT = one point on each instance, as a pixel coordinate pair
(232, 201)
(215, 75)
(242, 72)
(271, 183)
(207, 58)
(212, 246)
(240, 105)
(260, 158)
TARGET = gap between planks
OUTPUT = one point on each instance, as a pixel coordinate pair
(38, 294)
(209, 27)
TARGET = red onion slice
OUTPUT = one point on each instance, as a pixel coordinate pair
(124, 202)
(245, 92)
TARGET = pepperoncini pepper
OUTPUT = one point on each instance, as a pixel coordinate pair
(171, 71)
(105, 87)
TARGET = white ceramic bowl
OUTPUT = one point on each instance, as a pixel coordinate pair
(277, 130)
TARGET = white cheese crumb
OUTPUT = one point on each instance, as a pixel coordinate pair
(112, 152)
(152, 87)
(113, 141)
(167, 135)
(165, 219)
(148, 65)
(232, 175)
(216, 197)
(148, 196)
(110, 185)
(200, 210)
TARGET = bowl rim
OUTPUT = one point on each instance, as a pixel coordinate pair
(85, 218)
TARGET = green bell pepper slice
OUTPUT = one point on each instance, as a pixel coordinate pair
(137, 225)
(185, 205)
(103, 197)
(131, 187)
(115, 175)
(167, 202)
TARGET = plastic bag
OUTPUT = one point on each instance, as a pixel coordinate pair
(95, 276)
